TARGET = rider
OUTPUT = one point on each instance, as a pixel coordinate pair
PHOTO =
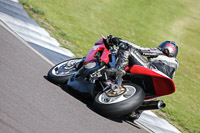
(162, 58)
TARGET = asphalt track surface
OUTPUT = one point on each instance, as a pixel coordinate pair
(30, 103)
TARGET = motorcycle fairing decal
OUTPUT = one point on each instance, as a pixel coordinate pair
(163, 85)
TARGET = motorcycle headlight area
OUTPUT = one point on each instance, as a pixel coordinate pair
(90, 65)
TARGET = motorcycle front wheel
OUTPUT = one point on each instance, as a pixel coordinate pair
(60, 73)
(126, 101)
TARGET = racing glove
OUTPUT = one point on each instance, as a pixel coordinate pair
(111, 40)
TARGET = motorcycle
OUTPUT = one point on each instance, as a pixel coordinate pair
(113, 95)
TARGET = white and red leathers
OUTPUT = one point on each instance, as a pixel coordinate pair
(133, 54)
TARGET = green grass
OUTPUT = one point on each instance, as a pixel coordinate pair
(77, 25)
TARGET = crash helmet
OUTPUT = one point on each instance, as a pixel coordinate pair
(169, 48)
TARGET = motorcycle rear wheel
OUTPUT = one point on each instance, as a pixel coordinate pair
(119, 105)
(60, 73)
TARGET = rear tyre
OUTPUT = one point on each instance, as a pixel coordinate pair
(60, 73)
(119, 105)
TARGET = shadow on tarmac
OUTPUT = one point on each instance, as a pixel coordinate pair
(89, 103)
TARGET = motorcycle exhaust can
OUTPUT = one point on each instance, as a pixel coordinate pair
(152, 105)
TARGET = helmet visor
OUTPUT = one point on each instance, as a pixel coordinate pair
(166, 52)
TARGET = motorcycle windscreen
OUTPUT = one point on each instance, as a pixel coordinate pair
(99, 42)
(162, 83)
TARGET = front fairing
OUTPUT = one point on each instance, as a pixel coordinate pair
(99, 47)
(81, 81)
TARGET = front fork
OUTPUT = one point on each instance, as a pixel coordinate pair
(114, 85)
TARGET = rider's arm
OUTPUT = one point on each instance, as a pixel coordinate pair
(148, 52)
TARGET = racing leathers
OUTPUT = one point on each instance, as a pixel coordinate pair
(133, 54)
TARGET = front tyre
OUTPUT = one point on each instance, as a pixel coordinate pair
(60, 73)
(119, 105)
